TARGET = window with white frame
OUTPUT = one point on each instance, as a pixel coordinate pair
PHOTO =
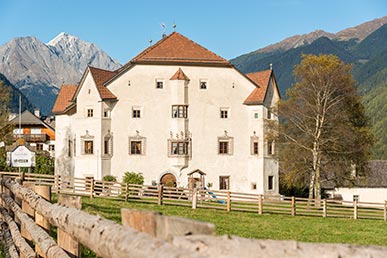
(137, 144)
(225, 145)
(179, 111)
(88, 147)
(136, 112)
(87, 144)
(224, 113)
(203, 84)
(159, 84)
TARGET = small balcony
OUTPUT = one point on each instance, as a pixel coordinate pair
(31, 137)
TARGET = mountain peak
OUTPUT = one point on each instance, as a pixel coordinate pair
(63, 36)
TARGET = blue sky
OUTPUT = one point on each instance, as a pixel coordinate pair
(229, 28)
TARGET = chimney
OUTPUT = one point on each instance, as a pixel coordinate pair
(37, 112)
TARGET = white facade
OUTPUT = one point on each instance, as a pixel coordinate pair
(368, 195)
(146, 144)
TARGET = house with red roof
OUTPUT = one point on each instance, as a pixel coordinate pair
(177, 113)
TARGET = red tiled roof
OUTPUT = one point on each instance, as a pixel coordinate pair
(180, 75)
(175, 48)
(100, 77)
(262, 78)
(64, 98)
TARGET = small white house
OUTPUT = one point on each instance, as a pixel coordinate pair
(371, 188)
(177, 113)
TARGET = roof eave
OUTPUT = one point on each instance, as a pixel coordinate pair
(252, 103)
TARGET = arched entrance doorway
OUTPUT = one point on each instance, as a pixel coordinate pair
(168, 180)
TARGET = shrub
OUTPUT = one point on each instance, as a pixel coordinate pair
(133, 178)
(109, 178)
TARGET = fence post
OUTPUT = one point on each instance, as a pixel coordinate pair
(160, 194)
(194, 198)
(56, 184)
(228, 201)
(45, 192)
(65, 240)
(325, 210)
(355, 209)
(91, 187)
(293, 206)
(385, 211)
(126, 192)
(260, 204)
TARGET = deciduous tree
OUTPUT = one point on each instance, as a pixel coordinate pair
(324, 132)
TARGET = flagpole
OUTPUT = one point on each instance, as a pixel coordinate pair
(19, 122)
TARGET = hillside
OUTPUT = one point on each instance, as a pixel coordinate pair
(14, 97)
(367, 54)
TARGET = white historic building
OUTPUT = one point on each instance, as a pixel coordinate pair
(177, 113)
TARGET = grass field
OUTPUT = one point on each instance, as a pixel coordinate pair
(250, 225)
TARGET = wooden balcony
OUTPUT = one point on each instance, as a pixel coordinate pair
(31, 137)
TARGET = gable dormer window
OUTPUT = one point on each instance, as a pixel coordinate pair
(159, 84)
(203, 84)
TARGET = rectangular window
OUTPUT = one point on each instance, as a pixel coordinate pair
(39, 146)
(179, 111)
(180, 148)
(256, 115)
(135, 147)
(255, 148)
(270, 148)
(253, 186)
(17, 131)
(355, 198)
(270, 183)
(268, 114)
(254, 145)
(106, 113)
(203, 84)
(224, 113)
(225, 145)
(51, 147)
(88, 147)
(106, 147)
(159, 84)
(136, 113)
(90, 112)
(70, 148)
(36, 130)
(224, 182)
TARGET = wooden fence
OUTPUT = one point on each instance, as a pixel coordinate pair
(149, 234)
(211, 199)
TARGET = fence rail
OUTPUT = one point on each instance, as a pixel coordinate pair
(209, 199)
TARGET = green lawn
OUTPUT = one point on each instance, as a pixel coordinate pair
(251, 225)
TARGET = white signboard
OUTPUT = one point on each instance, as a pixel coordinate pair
(22, 157)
